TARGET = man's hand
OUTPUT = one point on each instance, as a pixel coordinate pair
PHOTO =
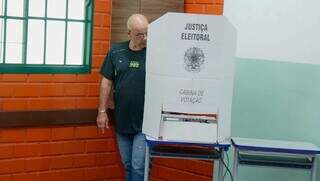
(102, 121)
(102, 118)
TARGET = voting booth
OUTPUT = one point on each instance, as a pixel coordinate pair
(189, 78)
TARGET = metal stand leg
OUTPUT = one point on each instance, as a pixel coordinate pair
(213, 174)
(220, 174)
(235, 165)
(314, 169)
(146, 163)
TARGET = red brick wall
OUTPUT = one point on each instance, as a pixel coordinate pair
(204, 6)
(77, 153)
(72, 153)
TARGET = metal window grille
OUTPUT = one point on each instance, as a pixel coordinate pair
(46, 36)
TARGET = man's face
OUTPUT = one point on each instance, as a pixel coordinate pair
(139, 36)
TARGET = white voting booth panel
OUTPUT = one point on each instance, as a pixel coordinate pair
(189, 78)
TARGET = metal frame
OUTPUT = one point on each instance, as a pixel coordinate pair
(280, 153)
(220, 148)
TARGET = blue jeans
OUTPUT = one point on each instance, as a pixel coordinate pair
(132, 149)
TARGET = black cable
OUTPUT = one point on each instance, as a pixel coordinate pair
(228, 163)
(224, 164)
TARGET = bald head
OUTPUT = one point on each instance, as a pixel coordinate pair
(137, 21)
(137, 30)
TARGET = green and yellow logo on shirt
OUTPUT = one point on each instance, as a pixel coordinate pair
(134, 64)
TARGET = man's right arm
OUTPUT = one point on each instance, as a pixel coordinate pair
(102, 118)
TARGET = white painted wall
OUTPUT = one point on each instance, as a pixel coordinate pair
(283, 30)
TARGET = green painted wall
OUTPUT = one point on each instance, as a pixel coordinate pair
(276, 100)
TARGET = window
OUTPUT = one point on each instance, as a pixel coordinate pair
(45, 36)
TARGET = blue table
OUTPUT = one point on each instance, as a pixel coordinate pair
(184, 150)
(274, 153)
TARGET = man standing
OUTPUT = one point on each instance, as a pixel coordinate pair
(124, 69)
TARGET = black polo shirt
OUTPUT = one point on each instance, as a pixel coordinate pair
(126, 69)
